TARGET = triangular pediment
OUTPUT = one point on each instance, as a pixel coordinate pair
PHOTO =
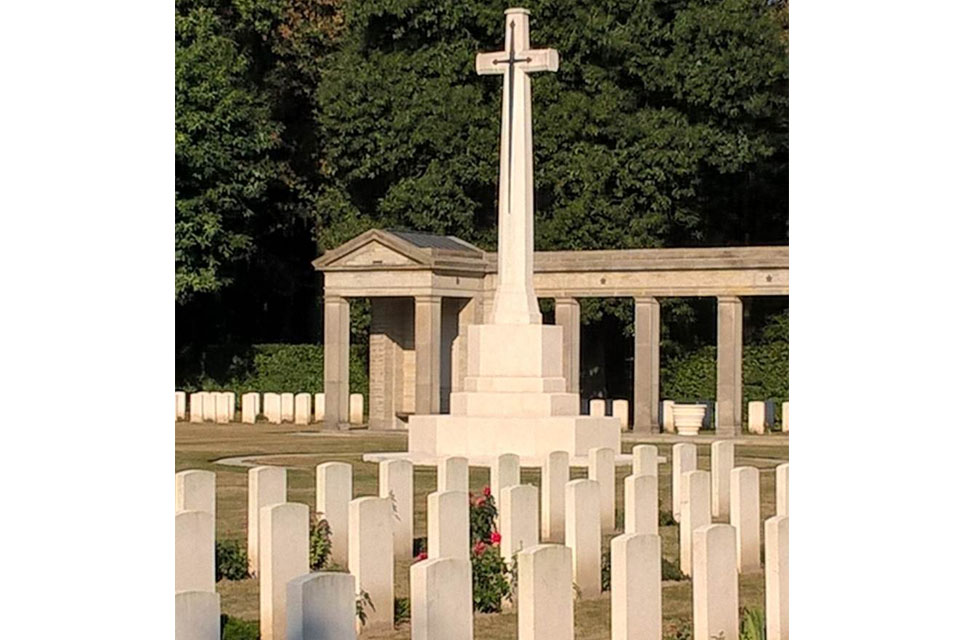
(373, 249)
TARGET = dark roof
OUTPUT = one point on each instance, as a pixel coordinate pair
(432, 241)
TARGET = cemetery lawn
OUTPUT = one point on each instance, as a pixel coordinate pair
(200, 446)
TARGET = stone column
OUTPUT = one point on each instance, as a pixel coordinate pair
(568, 317)
(729, 365)
(336, 361)
(646, 366)
(427, 339)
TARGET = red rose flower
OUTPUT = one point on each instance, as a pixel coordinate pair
(486, 491)
(479, 548)
(422, 555)
(481, 501)
(495, 537)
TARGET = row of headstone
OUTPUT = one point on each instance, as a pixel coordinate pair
(600, 407)
(197, 603)
(221, 407)
(294, 600)
(761, 416)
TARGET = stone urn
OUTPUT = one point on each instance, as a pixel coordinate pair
(688, 418)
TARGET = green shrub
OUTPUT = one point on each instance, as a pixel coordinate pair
(238, 629)
(671, 570)
(364, 601)
(232, 560)
(401, 610)
(666, 519)
(491, 583)
(319, 543)
(483, 515)
(265, 368)
(752, 624)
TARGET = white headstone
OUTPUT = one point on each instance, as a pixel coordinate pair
(519, 527)
(271, 407)
(196, 490)
(785, 416)
(777, 577)
(226, 406)
(284, 555)
(249, 407)
(641, 512)
(197, 615)
(756, 414)
(645, 460)
(745, 516)
(684, 460)
(554, 476)
(545, 593)
(334, 492)
(322, 606)
(319, 407)
(396, 483)
(715, 595)
(721, 463)
(600, 467)
(583, 534)
(504, 472)
(621, 409)
(286, 407)
(635, 597)
(448, 525)
(181, 405)
(694, 513)
(453, 474)
(194, 567)
(783, 489)
(301, 408)
(669, 426)
(265, 486)
(598, 407)
(209, 406)
(356, 408)
(196, 407)
(371, 557)
(441, 600)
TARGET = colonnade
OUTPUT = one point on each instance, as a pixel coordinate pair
(418, 355)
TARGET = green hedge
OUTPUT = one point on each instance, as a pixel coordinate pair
(766, 369)
(266, 368)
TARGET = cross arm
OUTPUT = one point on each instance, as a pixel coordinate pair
(485, 65)
(540, 60)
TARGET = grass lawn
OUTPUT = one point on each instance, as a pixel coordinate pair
(198, 446)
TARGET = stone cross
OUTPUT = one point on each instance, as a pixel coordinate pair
(514, 301)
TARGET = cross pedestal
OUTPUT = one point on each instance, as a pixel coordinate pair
(515, 398)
